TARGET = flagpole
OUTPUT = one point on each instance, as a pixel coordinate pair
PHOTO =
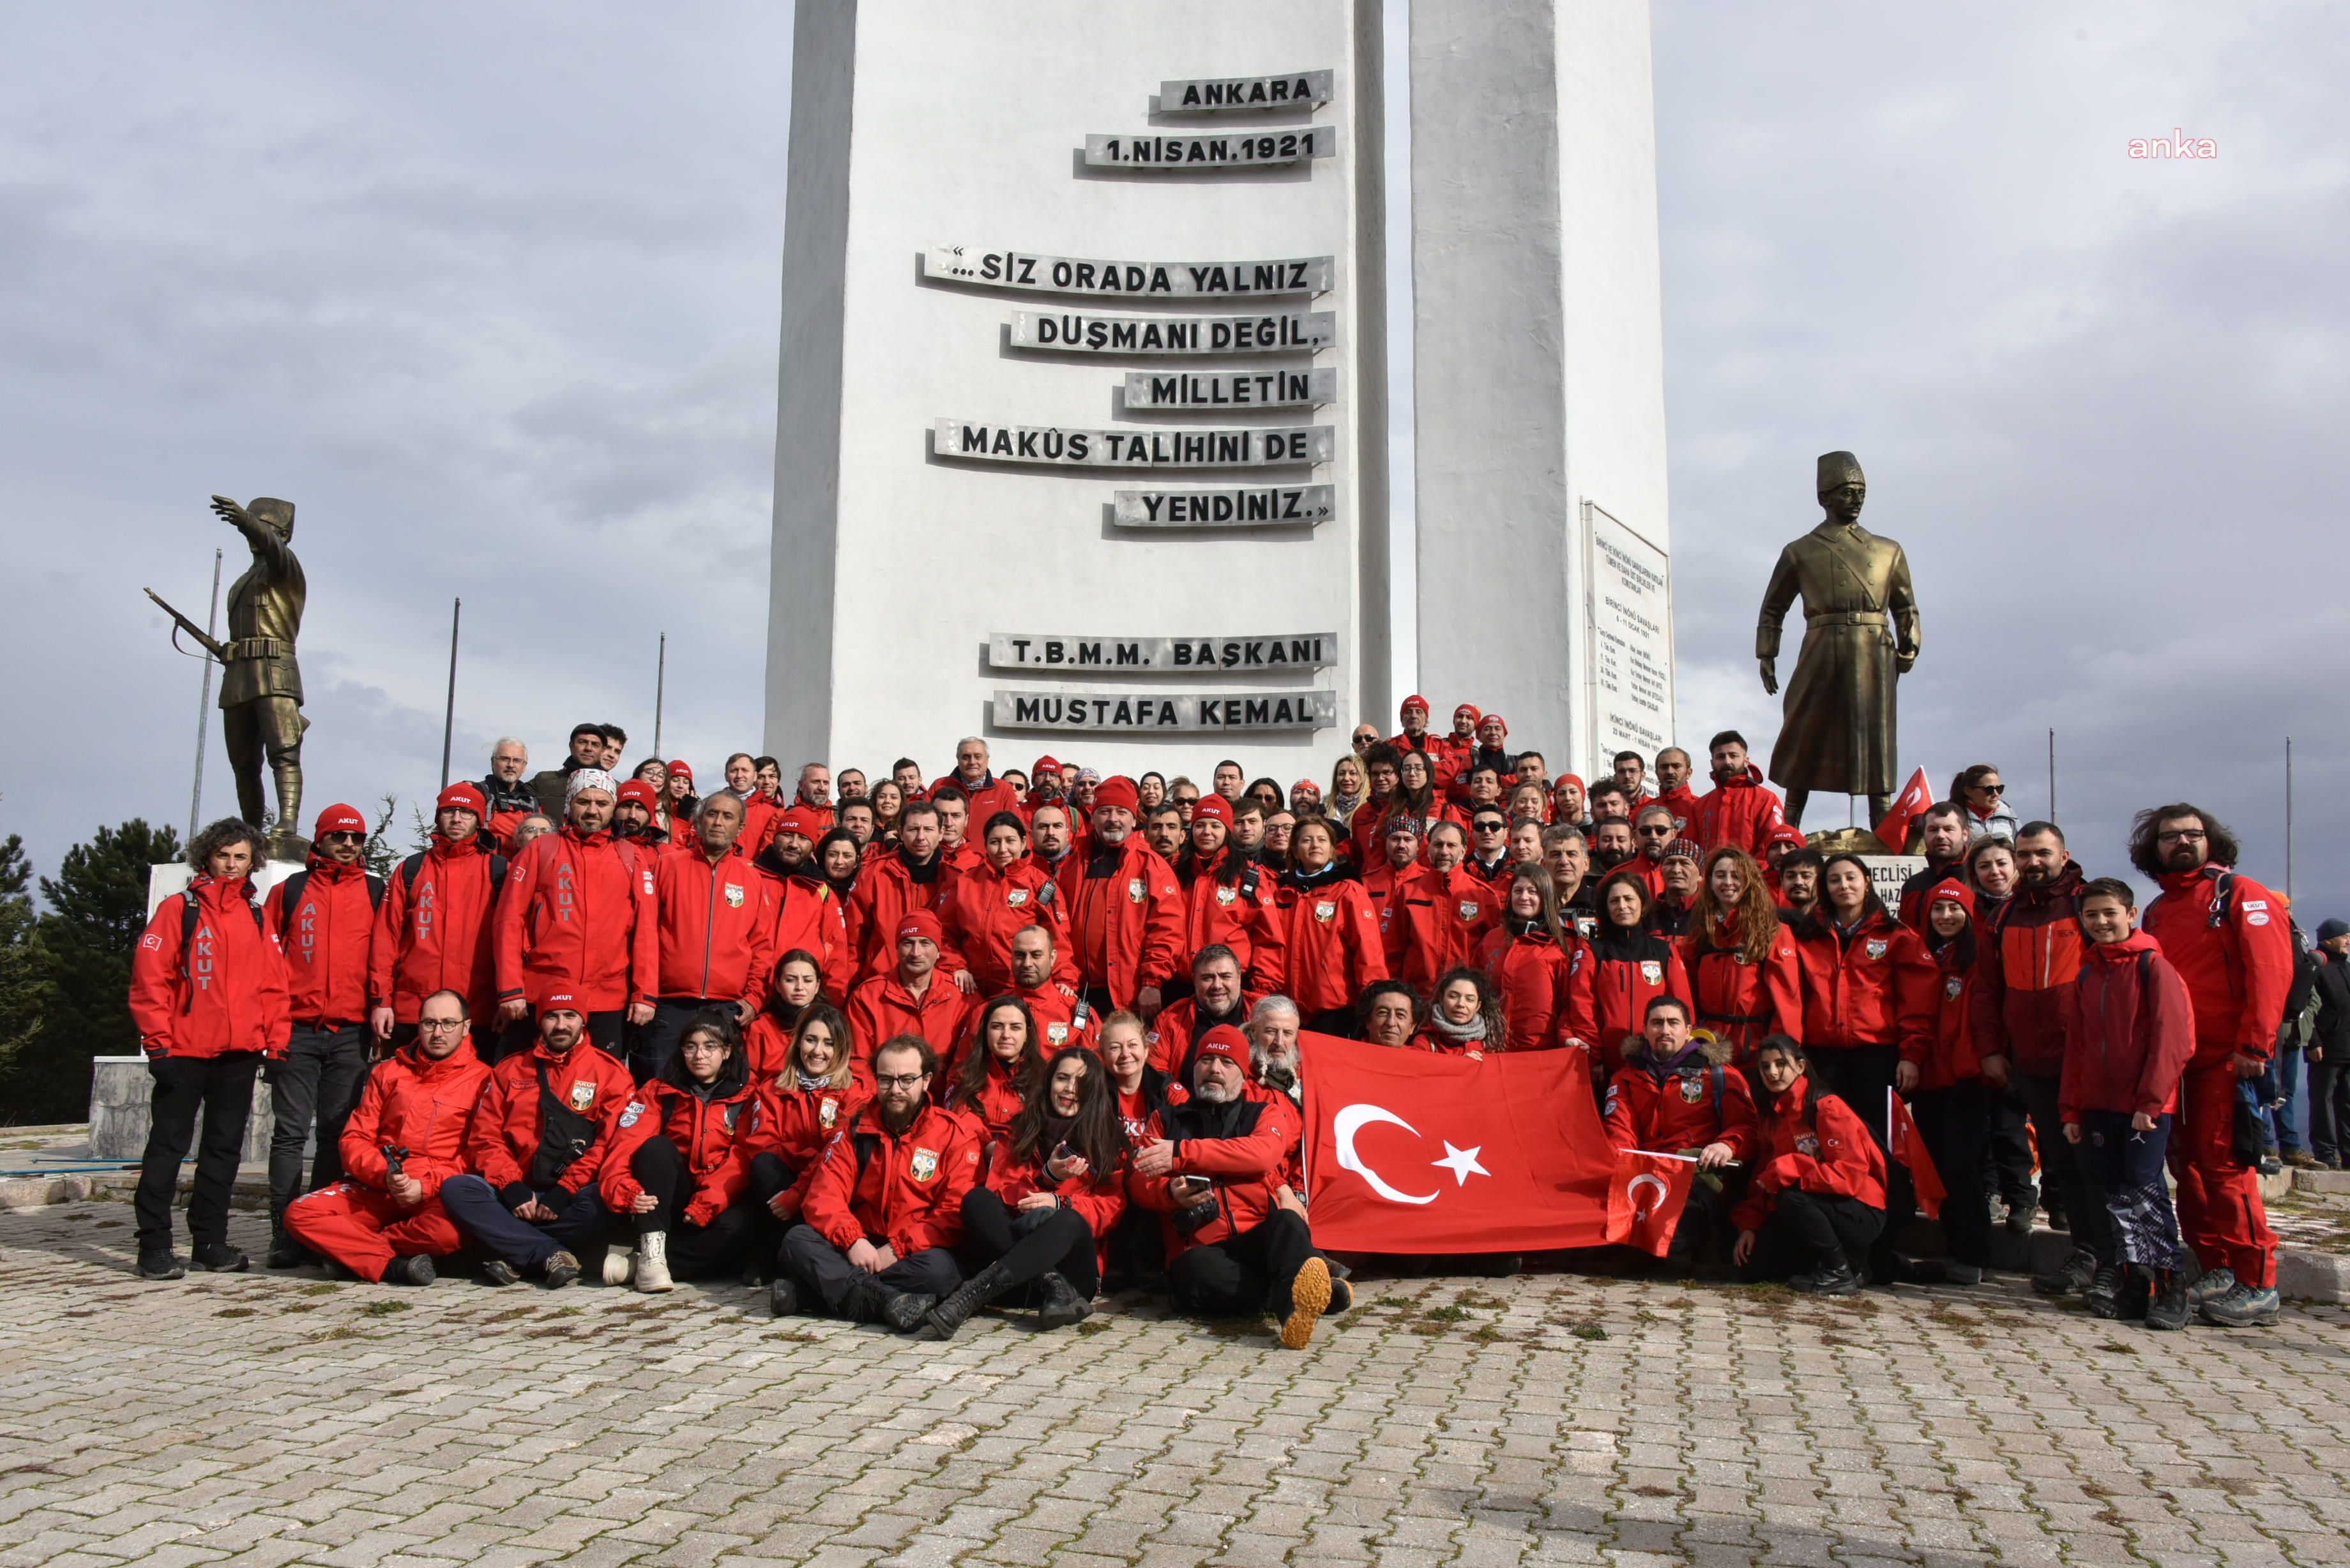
(2052, 774)
(2288, 819)
(205, 703)
(449, 713)
(660, 682)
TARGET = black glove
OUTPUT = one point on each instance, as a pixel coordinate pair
(270, 1066)
(515, 1194)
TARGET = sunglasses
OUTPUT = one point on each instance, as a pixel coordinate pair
(342, 837)
(1658, 832)
(1993, 790)
(1492, 824)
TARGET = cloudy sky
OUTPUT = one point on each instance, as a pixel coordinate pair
(490, 294)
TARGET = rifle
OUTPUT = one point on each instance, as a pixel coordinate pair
(212, 645)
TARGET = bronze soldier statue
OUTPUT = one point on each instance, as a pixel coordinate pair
(1860, 636)
(261, 684)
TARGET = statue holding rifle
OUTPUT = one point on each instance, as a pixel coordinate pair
(261, 684)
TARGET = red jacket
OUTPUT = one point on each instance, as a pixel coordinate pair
(1840, 1158)
(325, 941)
(414, 1102)
(716, 925)
(1671, 1110)
(905, 1189)
(1738, 810)
(717, 1136)
(1740, 1002)
(1367, 834)
(1873, 987)
(1330, 941)
(985, 907)
(1536, 978)
(224, 991)
(577, 916)
(797, 1124)
(1066, 1017)
(886, 892)
(2028, 951)
(436, 931)
(1431, 921)
(1098, 1197)
(502, 1139)
(807, 916)
(882, 1007)
(1683, 804)
(990, 796)
(998, 1101)
(1620, 977)
(2130, 1032)
(1125, 911)
(1243, 1146)
(1240, 914)
(2237, 961)
(1953, 1059)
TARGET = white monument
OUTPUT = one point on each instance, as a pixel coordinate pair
(1545, 547)
(1081, 438)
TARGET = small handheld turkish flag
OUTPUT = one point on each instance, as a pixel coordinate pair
(1645, 1200)
(1910, 1150)
(1914, 797)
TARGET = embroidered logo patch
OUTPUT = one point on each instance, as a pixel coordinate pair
(1058, 1033)
(733, 896)
(1877, 946)
(1325, 910)
(583, 1094)
(828, 1111)
(1693, 1090)
(926, 1164)
(1227, 895)
(1808, 1144)
(1468, 907)
(1952, 986)
(1134, 891)
(636, 1110)
(1017, 897)
(1652, 972)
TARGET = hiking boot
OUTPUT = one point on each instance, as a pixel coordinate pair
(2104, 1291)
(618, 1264)
(1498, 1265)
(784, 1296)
(2071, 1276)
(2209, 1286)
(1309, 1297)
(2246, 1307)
(904, 1310)
(2056, 1217)
(951, 1311)
(1835, 1279)
(865, 1299)
(219, 1257)
(285, 1251)
(2301, 1159)
(499, 1272)
(416, 1269)
(561, 1270)
(1342, 1294)
(2019, 1215)
(652, 1275)
(159, 1264)
(2136, 1291)
(1063, 1304)
(2169, 1308)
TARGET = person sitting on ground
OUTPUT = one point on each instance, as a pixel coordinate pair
(1816, 1202)
(1465, 1019)
(681, 1163)
(384, 1221)
(803, 1104)
(1677, 1096)
(537, 1140)
(798, 985)
(884, 1208)
(1055, 1187)
(1001, 1068)
(1236, 1237)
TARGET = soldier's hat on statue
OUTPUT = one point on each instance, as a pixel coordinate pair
(1838, 468)
(279, 515)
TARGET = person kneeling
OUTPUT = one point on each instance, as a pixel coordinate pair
(1237, 1239)
(384, 1221)
(1818, 1201)
(1675, 1095)
(885, 1204)
(682, 1162)
(1054, 1188)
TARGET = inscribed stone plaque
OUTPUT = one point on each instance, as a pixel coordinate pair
(1221, 149)
(1161, 280)
(1291, 332)
(1631, 640)
(1147, 713)
(1179, 655)
(1210, 95)
(1226, 508)
(1252, 448)
(1231, 390)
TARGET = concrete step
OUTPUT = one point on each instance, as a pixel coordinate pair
(2331, 1183)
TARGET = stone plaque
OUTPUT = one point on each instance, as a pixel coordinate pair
(1231, 390)
(1291, 332)
(1222, 150)
(1042, 650)
(1161, 280)
(1147, 713)
(1134, 448)
(1240, 508)
(1212, 95)
(1631, 633)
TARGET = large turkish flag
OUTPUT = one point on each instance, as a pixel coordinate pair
(1410, 1152)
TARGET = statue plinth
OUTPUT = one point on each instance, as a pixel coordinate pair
(1848, 841)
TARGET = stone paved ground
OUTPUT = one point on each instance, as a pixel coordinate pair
(275, 1419)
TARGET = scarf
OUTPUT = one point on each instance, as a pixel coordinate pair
(1306, 881)
(1343, 805)
(809, 1086)
(924, 875)
(1470, 1034)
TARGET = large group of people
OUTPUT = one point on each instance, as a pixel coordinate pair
(901, 1049)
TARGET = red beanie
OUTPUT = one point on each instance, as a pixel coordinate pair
(1414, 702)
(678, 770)
(1225, 1040)
(640, 791)
(1117, 789)
(561, 1001)
(1213, 807)
(921, 923)
(464, 797)
(1046, 765)
(1469, 709)
(1956, 892)
(339, 819)
(801, 821)
(1575, 779)
(1494, 719)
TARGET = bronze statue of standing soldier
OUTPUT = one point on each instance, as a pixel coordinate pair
(1860, 636)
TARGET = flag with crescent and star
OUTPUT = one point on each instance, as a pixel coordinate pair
(1645, 1199)
(1406, 1151)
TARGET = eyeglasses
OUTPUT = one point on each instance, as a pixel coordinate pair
(2182, 836)
(342, 837)
(440, 1025)
(899, 1081)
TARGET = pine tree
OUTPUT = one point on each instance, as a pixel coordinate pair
(26, 990)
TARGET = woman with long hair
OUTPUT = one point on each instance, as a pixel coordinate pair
(1330, 933)
(1979, 789)
(1055, 1187)
(888, 799)
(814, 1095)
(1741, 960)
(1350, 787)
(1228, 896)
(1953, 1103)
(837, 858)
(1627, 965)
(798, 984)
(1816, 1203)
(1532, 957)
(680, 1159)
(986, 904)
(1416, 801)
(1465, 1018)
(1149, 790)
(1002, 1065)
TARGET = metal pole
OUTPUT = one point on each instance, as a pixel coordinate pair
(204, 704)
(2051, 776)
(449, 713)
(2288, 819)
(660, 682)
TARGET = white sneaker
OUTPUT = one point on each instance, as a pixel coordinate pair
(617, 1264)
(652, 1262)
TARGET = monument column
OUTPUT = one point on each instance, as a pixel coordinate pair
(1538, 374)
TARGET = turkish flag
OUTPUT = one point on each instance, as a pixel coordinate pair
(1406, 1151)
(1909, 1148)
(1645, 1199)
(1914, 797)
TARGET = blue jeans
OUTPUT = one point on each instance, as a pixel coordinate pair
(473, 1204)
(2283, 1081)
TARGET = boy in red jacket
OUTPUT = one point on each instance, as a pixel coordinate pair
(2130, 1032)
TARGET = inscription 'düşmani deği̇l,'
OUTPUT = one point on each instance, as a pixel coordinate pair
(1166, 280)
(1291, 332)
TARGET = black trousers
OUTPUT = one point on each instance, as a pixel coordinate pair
(221, 1088)
(1705, 1213)
(318, 1083)
(1861, 1076)
(1028, 1248)
(2007, 1149)
(825, 1270)
(2065, 1167)
(1250, 1272)
(1955, 1123)
(1813, 1231)
(695, 1251)
(2329, 1110)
